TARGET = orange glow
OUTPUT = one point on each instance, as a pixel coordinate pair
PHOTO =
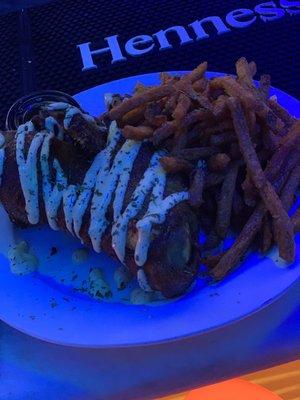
(235, 389)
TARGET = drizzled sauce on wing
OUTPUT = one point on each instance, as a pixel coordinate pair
(106, 180)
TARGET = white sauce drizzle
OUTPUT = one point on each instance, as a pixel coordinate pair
(28, 171)
(70, 112)
(86, 192)
(108, 99)
(50, 124)
(123, 162)
(107, 177)
(119, 229)
(93, 182)
(142, 281)
(114, 136)
(69, 200)
(2, 155)
(156, 216)
(52, 195)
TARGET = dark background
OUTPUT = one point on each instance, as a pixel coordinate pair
(7, 6)
(57, 27)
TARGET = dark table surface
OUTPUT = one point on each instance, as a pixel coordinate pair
(13, 5)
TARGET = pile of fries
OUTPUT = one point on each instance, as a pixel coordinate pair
(239, 149)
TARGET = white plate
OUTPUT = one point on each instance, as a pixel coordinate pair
(41, 306)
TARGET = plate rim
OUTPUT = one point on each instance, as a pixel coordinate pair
(192, 335)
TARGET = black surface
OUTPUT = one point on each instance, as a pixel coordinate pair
(10, 69)
(58, 27)
(7, 6)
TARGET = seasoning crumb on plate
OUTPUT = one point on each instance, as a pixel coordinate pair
(97, 285)
(53, 251)
(22, 260)
(79, 256)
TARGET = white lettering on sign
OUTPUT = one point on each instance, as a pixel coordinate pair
(241, 18)
(216, 22)
(195, 31)
(292, 7)
(269, 11)
(164, 42)
(133, 45)
(113, 48)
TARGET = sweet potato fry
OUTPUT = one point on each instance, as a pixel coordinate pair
(190, 119)
(267, 236)
(197, 153)
(283, 175)
(250, 192)
(237, 203)
(290, 188)
(296, 221)
(281, 112)
(250, 99)
(213, 128)
(171, 103)
(165, 77)
(273, 122)
(163, 132)
(213, 179)
(264, 86)
(179, 144)
(152, 110)
(251, 120)
(193, 138)
(196, 74)
(234, 151)
(212, 241)
(137, 100)
(253, 68)
(170, 127)
(244, 73)
(153, 114)
(201, 99)
(287, 144)
(245, 79)
(175, 164)
(285, 147)
(241, 244)
(212, 260)
(200, 85)
(193, 117)
(133, 117)
(140, 88)
(218, 162)
(137, 132)
(270, 140)
(182, 107)
(220, 107)
(159, 120)
(197, 185)
(282, 223)
(234, 89)
(222, 138)
(234, 255)
(225, 201)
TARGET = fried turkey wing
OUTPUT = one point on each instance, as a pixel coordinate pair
(173, 254)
